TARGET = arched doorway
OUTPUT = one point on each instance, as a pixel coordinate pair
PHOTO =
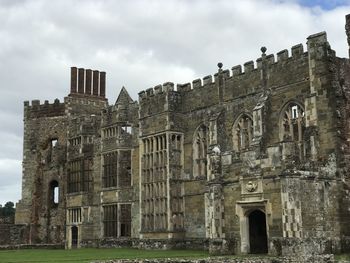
(74, 233)
(257, 232)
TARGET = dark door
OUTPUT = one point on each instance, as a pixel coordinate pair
(74, 237)
(257, 232)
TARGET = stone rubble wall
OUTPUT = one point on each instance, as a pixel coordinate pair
(11, 234)
(32, 246)
(296, 259)
(7, 219)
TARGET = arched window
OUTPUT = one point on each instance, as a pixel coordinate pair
(242, 132)
(54, 193)
(200, 147)
(292, 124)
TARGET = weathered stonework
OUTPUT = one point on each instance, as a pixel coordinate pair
(253, 161)
(296, 259)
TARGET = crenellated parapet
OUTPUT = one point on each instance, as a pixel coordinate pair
(156, 90)
(246, 70)
(36, 109)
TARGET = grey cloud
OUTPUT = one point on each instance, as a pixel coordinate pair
(10, 180)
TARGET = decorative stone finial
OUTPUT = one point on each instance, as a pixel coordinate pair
(220, 65)
(263, 49)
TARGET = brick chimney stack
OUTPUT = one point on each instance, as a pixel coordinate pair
(88, 83)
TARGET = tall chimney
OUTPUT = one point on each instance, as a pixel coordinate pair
(88, 79)
(81, 81)
(103, 84)
(95, 83)
(347, 30)
(73, 80)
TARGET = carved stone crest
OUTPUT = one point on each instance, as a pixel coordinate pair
(251, 187)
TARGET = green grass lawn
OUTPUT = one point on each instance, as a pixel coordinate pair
(91, 254)
(342, 257)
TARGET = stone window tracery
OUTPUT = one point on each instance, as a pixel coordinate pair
(125, 220)
(74, 215)
(110, 171)
(80, 175)
(110, 220)
(243, 132)
(117, 220)
(117, 169)
(292, 123)
(200, 148)
(154, 183)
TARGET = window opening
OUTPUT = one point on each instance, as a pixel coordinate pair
(54, 193)
(200, 144)
(243, 133)
(54, 142)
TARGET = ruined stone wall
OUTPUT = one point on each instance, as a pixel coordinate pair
(44, 157)
(119, 137)
(84, 145)
(196, 162)
(13, 234)
(263, 92)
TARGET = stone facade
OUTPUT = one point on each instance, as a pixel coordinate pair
(244, 161)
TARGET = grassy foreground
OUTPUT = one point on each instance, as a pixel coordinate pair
(91, 254)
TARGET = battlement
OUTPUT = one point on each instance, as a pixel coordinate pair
(35, 109)
(37, 103)
(88, 82)
(239, 71)
(156, 90)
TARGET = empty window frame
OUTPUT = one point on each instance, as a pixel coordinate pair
(292, 123)
(117, 169)
(242, 132)
(110, 220)
(110, 169)
(125, 220)
(80, 175)
(124, 172)
(200, 148)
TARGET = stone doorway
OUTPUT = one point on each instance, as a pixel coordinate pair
(257, 232)
(74, 232)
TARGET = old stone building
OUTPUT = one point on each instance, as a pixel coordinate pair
(249, 160)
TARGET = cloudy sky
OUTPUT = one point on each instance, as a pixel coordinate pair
(139, 44)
